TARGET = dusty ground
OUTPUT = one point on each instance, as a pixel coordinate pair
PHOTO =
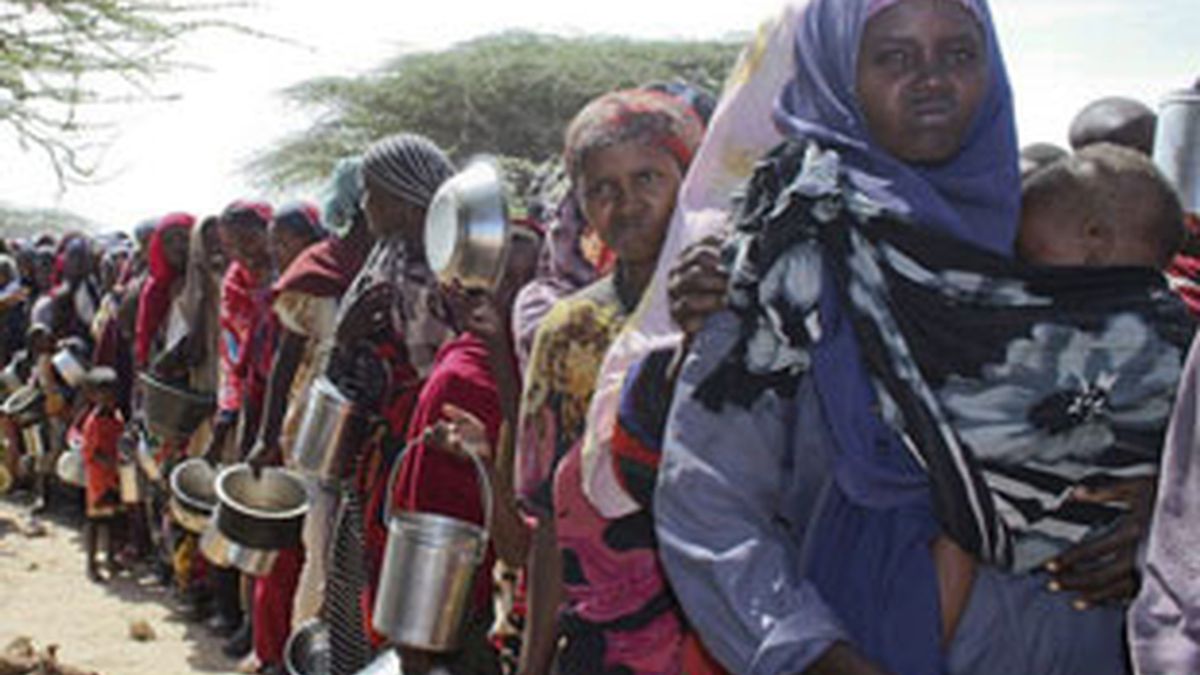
(44, 595)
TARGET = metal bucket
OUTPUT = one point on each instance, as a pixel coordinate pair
(307, 651)
(466, 227)
(31, 437)
(25, 406)
(331, 431)
(1177, 145)
(428, 571)
(173, 412)
(387, 663)
(193, 496)
(69, 367)
(131, 490)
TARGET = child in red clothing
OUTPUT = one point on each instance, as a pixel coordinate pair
(102, 430)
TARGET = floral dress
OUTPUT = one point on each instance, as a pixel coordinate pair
(618, 613)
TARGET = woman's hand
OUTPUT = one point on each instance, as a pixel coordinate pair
(697, 285)
(1105, 569)
(368, 315)
(461, 433)
(263, 455)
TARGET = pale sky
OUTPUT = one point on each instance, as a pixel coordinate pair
(187, 154)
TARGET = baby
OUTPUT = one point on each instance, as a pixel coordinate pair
(1104, 206)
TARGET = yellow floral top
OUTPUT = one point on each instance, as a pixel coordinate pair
(564, 362)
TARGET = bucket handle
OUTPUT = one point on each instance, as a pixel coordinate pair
(485, 491)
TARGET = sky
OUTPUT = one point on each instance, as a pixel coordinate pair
(188, 153)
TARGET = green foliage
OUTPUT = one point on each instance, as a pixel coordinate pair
(20, 222)
(510, 94)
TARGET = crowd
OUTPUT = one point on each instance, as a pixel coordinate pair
(826, 376)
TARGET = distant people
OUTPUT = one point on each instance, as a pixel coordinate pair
(1118, 120)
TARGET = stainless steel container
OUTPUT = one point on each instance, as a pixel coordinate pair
(223, 552)
(466, 228)
(25, 406)
(1177, 145)
(307, 651)
(69, 367)
(429, 568)
(264, 512)
(70, 468)
(193, 496)
(173, 412)
(332, 432)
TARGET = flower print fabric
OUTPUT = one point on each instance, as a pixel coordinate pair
(1010, 385)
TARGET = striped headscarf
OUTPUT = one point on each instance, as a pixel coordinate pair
(410, 167)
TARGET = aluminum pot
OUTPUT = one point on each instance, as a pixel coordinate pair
(332, 432)
(25, 406)
(174, 412)
(1177, 145)
(264, 512)
(193, 496)
(70, 468)
(466, 228)
(307, 651)
(429, 568)
(222, 552)
(127, 477)
(69, 367)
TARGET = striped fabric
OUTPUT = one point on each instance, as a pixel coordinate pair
(349, 650)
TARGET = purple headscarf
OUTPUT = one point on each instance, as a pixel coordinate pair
(871, 558)
(975, 197)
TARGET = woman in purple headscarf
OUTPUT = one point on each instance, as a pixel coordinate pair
(868, 403)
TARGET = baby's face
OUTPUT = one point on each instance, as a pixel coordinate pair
(1049, 238)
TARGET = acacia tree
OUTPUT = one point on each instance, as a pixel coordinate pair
(509, 94)
(60, 57)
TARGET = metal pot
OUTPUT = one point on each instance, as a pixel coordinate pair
(332, 432)
(131, 489)
(69, 367)
(222, 552)
(193, 496)
(174, 412)
(429, 568)
(308, 651)
(70, 468)
(265, 512)
(25, 406)
(466, 228)
(387, 663)
(1177, 145)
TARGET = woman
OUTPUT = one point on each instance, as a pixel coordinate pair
(875, 307)
(74, 298)
(167, 256)
(389, 328)
(626, 154)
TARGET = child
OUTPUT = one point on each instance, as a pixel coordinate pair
(1104, 206)
(102, 430)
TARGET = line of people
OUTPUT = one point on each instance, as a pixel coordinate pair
(824, 377)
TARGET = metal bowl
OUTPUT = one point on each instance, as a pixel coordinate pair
(174, 412)
(69, 367)
(222, 552)
(70, 468)
(193, 496)
(264, 512)
(308, 651)
(25, 406)
(466, 228)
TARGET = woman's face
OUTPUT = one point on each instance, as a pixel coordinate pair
(922, 75)
(175, 247)
(249, 246)
(627, 192)
(286, 245)
(387, 215)
(214, 249)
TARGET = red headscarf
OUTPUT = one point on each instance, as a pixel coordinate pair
(155, 300)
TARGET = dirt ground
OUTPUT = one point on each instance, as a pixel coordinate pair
(45, 596)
